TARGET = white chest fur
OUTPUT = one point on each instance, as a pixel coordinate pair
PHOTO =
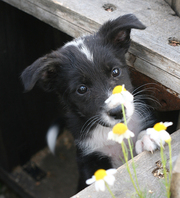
(98, 143)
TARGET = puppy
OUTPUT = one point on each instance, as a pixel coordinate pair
(83, 73)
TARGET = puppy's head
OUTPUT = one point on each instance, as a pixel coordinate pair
(85, 71)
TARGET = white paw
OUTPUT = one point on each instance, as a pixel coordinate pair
(145, 144)
(150, 139)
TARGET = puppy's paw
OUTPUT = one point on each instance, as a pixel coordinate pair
(145, 144)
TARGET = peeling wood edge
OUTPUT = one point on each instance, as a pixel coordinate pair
(154, 58)
(136, 59)
(145, 67)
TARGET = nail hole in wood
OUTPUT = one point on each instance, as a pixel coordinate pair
(109, 7)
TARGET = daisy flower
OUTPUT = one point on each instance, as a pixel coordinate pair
(119, 132)
(159, 134)
(100, 177)
(120, 95)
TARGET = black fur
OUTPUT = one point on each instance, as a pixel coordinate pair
(83, 84)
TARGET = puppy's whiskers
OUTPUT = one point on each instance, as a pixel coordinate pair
(141, 88)
(146, 94)
(89, 124)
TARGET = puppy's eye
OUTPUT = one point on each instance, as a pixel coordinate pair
(116, 72)
(82, 89)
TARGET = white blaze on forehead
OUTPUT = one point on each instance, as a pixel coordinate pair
(79, 43)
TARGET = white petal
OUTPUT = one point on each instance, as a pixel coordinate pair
(117, 100)
(167, 124)
(129, 108)
(110, 179)
(115, 139)
(96, 186)
(123, 87)
(131, 134)
(111, 171)
(150, 131)
(164, 135)
(110, 135)
(127, 95)
(120, 139)
(109, 99)
(91, 180)
(126, 135)
(153, 133)
(121, 99)
(100, 185)
(114, 100)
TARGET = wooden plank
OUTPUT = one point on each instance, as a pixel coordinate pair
(169, 1)
(175, 181)
(81, 17)
(6, 178)
(61, 172)
(159, 68)
(157, 74)
(175, 4)
(57, 16)
(145, 164)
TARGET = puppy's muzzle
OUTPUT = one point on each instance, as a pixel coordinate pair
(116, 112)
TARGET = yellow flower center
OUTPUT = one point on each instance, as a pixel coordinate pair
(120, 129)
(118, 89)
(159, 127)
(100, 174)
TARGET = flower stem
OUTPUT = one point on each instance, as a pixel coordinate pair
(107, 186)
(132, 157)
(133, 165)
(164, 171)
(170, 166)
(128, 169)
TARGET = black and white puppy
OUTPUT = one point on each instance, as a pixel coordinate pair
(83, 73)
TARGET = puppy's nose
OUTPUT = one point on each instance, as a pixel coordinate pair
(116, 113)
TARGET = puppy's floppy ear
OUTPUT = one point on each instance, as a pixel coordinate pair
(43, 71)
(117, 32)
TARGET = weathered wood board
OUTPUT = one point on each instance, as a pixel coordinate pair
(145, 164)
(175, 4)
(154, 56)
(61, 172)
